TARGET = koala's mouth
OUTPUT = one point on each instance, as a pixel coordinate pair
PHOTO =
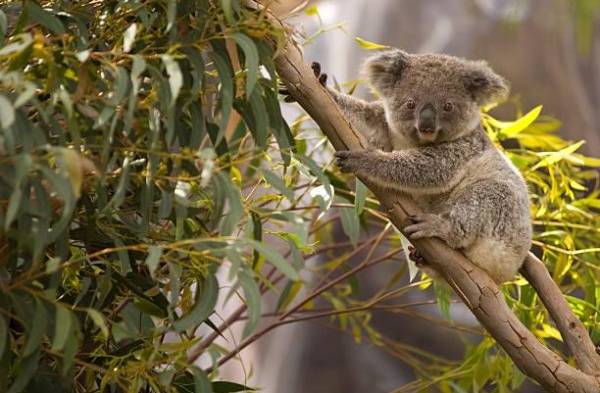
(427, 134)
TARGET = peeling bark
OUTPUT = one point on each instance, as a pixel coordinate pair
(472, 285)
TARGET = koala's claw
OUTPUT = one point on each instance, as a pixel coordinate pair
(416, 256)
(316, 67)
(424, 225)
(344, 160)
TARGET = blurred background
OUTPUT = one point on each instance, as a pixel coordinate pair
(545, 48)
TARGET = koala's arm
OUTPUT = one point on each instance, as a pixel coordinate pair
(421, 170)
(367, 117)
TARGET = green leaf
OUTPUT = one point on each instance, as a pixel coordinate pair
(288, 294)
(229, 387)
(3, 28)
(26, 370)
(252, 300)
(171, 14)
(63, 327)
(251, 60)
(151, 308)
(38, 328)
(7, 112)
(277, 182)
(235, 210)
(153, 258)
(98, 320)
(255, 117)
(45, 18)
(201, 382)
(3, 335)
(360, 196)
(204, 306)
(350, 223)
(274, 258)
(279, 127)
(175, 271)
(14, 203)
(368, 45)
(442, 295)
(195, 59)
(226, 91)
(22, 164)
(227, 10)
(511, 129)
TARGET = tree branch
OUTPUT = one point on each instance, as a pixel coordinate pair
(472, 284)
(572, 330)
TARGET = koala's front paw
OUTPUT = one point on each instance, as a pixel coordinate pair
(350, 161)
(427, 225)
(316, 67)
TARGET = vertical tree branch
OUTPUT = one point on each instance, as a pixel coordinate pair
(472, 284)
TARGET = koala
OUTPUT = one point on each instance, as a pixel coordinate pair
(426, 140)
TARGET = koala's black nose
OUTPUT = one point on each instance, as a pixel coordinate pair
(427, 119)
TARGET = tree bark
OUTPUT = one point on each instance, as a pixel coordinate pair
(472, 285)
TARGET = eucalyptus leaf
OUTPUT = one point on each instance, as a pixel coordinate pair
(201, 381)
(350, 223)
(3, 335)
(7, 112)
(252, 300)
(206, 300)
(277, 182)
(40, 15)
(38, 328)
(251, 60)
(63, 327)
(274, 257)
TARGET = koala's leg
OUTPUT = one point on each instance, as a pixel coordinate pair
(488, 221)
(450, 229)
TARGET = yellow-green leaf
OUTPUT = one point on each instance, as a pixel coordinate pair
(312, 11)
(510, 129)
(369, 45)
(553, 158)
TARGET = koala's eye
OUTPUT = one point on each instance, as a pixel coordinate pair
(448, 106)
(410, 104)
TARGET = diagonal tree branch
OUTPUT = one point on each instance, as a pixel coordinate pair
(472, 284)
(572, 330)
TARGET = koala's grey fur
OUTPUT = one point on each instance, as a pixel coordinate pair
(428, 142)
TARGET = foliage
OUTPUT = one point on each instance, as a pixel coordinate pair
(147, 177)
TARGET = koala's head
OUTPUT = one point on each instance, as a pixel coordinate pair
(431, 98)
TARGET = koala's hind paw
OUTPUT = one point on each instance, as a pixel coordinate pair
(426, 225)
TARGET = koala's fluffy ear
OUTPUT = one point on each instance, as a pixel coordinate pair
(484, 85)
(385, 68)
